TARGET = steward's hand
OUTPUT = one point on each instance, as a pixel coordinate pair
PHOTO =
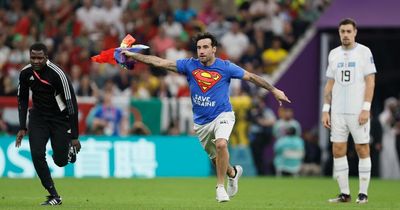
(77, 144)
(20, 135)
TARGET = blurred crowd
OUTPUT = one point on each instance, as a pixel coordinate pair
(256, 34)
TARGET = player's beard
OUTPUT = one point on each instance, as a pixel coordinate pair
(204, 60)
(346, 43)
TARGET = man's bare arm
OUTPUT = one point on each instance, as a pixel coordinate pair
(153, 61)
(259, 81)
(328, 91)
(369, 87)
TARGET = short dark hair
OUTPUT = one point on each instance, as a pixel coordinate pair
(347, 21)
(38, 47)
(206, 35)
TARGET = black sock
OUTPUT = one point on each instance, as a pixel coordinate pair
(52, 190)
(234, 168)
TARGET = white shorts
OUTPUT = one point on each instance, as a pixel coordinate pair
(220, 127)
(342, 125)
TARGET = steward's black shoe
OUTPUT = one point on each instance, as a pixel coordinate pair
(52, 201)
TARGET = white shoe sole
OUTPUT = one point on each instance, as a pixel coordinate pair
(223, 200)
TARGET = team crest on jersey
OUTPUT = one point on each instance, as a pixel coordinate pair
(206, 79)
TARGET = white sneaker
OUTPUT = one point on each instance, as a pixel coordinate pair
(222, 196)
(233, 185)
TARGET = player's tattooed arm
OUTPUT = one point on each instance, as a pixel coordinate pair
(328, 91)
(257, 80)
(153, 61)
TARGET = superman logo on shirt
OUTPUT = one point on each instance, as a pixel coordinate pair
(206, 79)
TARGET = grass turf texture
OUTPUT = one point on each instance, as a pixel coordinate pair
(194, 193)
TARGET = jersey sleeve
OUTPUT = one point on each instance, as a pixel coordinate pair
(369, 67)
(23, 99)
(64, 86)
(182, 65)
(235, 71)
(329, 69)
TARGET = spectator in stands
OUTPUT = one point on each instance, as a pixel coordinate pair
(273, 56)
(4, 49)
(161, 42)
(312, 160)
(251, 56)
(178, 51)
(261, 40)
(262, 11)
(90, 16)
(108, 119)
(136, 90)
(76, 75)
(245, 19)
(185, 13)
(172, 28)
(110, 15)
(208, 13)
(146, 30)
(262, 119)
(163, 91)
(122, 79)
(235, 42)
(219, 26)
(241, 104)
(285, 121)
(390, 167)
(87, 87)
(7, 88)
(289, 153)
(288, 38)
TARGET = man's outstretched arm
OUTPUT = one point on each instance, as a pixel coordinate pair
(152, 60)
(259, 81)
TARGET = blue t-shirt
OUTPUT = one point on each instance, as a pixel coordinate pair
(209, 86)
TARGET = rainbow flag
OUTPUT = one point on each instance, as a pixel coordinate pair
(114, 56)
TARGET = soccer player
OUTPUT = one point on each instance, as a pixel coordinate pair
(348, 94)
(54, 115)
(209, 78)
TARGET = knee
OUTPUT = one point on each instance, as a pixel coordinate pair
(60, 162)
(339, 150)
(362, 150)
(221, 144)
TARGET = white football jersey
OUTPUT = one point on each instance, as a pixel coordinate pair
(348, 68)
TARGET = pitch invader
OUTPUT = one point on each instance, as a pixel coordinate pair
(348, 95)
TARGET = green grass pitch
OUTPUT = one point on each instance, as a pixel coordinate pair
(194, 193)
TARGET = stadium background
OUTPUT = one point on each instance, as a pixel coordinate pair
(155, 136)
